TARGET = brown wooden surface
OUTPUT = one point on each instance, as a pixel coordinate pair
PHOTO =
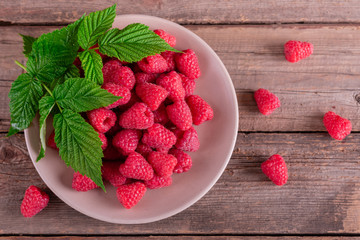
(181, 238)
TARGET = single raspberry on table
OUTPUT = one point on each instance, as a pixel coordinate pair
(122, 76)
(187, 63)
(157, 136)
(169, 56)
(127, 140)
(139, 116)
(201, 111)
(103, 140)
(130, 194)
(295, 50)
(153, 64)
(187, 140)
(184, 162)
(110, 172)
(188, 85)
(34, 201)
(158, 182)
(170, 39)
(119, 91)
(151, 94)
(82, 183)
(172, 82)
(142, 77)
(101, 119)
(179, 113)
(136, 167)
(266, 101)
(162, 163)
(337, 127)
(275, 169)
(160, 115)
(51, 141)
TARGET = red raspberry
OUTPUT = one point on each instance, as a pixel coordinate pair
(153, 64)
(200, 109)
(160, 115)
(337, 126)
(133, 99)
(188, 85)
(109, 68)
(295, 50)
(187, 63)
(188, 140)
(151, 94)
(82, 183)
(143, 149)
(266, 101)
(77, 63)
(172, 82)
(136, 167)
(184, 161)
(127, 140)
(170, 39)
(179, 113)
(119, 91)
(275, 168)
(110, 172)
(113, 130)
(101, 119)
(130, 194)
(139, 116)
(162, 163)
(51, 141)
(158, 182)
(169, 56)
(111, 153)
(103, 140)
(34, 201)
(157, 136)
(145, 77)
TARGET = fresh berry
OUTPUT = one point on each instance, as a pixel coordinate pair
(133, 99)
(103, 140)
(151, 94)
(158, 182)
(143, 149)
(184, 161)
(160, 115)
(170, 39)
(200, 109)
(34, 201)
(119, 91)
(142, 77)
(82, 183)
(111, 153)
(276, 170)
(101, 119)
(188, 140)
(153, 64)
(136, 167)
(169, 56)
(296, 50)
(139, 116)
(157, 136)
(188, 85)
(110, 172)
(113, 130)
(179, 113)
(162, 163)
(266, 101)
(130, 194)
(127, 140)
(109, 68)
(122, 76)
(337, 126)
(187, 63)
(172, 82)
(51, 141)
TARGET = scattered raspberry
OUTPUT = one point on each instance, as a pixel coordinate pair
(158, 182)
(101, 119)
(110, 172)
(184, 161)
(151, 94)
(34, 201)
(111, 153)
(127, 140)
(109, 68)
(187, 140)
(143, 149)
(122, 76)
(160, 115)
(157, 136)
(142, 77)
(119, 91)
(139, 116)
(170, 39)
(267, 102)
(162, 163)
(179, 113)
(172, 82)
(136, 167)
(153, 64)
(187, 63)
(337, 126)
(130, 194)
(275, 168)
(51, 141)
(200, 109)
(169, 56)
(188, 85)
(82, 183)
(296, 50)
(103, 140)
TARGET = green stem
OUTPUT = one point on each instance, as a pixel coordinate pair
(48, 90)
(20, 65)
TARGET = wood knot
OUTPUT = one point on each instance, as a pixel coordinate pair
(357, 98)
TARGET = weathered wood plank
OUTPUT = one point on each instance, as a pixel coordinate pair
(322, 195)
(180, 238)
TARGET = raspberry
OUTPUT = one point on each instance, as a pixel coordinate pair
(170, 39)
(295, 50)
(160, 115)
(109, 68)
(266, 101)
(337, 126)
(136, 167)
(151, 94)
(127, 140)
(179, 113)
(133, 99)
(188, 140)
(119, 91)
(200, 109)
(158, 182)
(153, 64)
(276, 170)
(51, 141)
(34, 201)
(122, 76)
(184, 161)
(157, 136)
(113, 130)
(130, 194)
(111, 153)
(172, 82)
(143, 149)
(188, 85)
(187, 63)
(110, 172)
(162, 163)
(103, 140)
(169, 56)
(139, 116)
(82, 183)
(101, 119)
(145, 77)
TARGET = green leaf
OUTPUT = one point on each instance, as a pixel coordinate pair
(132, 43)
(72, 72)
(28, 42)
(82, 95)
(24, 95)
(95, 25)
(92, 64)
(46, 104)
(79, 145)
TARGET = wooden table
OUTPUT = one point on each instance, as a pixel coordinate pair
(322, 197)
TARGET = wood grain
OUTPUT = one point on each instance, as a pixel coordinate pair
(180, 238)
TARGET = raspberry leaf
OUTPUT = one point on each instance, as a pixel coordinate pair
(72, 72)
(79, 145)
(24, 95)
(94, 25)
(28, 42)
(92, 64)
(46, 104)
(82, 95)
(132, 43)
